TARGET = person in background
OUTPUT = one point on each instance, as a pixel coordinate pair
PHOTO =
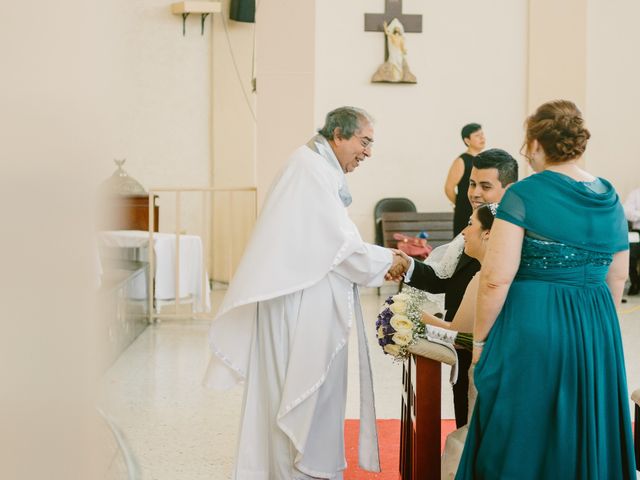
(457, 183)
(632, 213)
(549, 364)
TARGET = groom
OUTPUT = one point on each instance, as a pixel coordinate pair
(284, 324)
(492, 173)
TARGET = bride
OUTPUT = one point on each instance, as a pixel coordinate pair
(476, 234)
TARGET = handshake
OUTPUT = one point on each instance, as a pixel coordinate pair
(399, 267)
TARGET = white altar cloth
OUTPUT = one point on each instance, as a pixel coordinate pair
(164, 247)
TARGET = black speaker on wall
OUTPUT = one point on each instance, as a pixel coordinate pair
(243, 11)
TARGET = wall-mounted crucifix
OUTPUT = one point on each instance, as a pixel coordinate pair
(374, 22)
(394, 24)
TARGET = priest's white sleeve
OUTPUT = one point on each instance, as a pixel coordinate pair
(366, 266)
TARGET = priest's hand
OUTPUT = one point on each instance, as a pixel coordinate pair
(399, 266)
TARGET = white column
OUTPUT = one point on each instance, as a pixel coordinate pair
(285, 65)
(557, 51)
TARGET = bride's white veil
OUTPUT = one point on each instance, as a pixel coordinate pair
(443, 260)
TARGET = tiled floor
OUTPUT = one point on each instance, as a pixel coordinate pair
(180, 431)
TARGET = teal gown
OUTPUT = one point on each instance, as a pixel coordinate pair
(552, 392)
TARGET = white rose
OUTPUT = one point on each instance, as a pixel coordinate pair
(401, 322)
(398, 307)
(404, 331)
(381, 332)
(402, 338)
(401, 297)
(392, 349)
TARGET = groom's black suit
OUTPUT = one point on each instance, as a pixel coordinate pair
(424, 278)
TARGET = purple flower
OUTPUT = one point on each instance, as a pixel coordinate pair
(385, 316)
(383, 325)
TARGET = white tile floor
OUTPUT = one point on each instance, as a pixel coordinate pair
(180, 431)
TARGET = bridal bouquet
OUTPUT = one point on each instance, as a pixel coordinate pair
(400, 324)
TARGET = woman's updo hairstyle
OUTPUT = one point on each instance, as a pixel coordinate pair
(559, 128)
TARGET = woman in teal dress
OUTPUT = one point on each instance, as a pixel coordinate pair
(552, 393)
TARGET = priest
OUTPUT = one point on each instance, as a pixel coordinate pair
(284, 324)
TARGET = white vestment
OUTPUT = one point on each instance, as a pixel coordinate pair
(285, 321)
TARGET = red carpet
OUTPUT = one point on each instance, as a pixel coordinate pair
(389, 439)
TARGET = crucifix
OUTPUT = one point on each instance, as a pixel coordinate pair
(374, 22)
(394, 24)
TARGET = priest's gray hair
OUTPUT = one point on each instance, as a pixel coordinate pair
(348, 119)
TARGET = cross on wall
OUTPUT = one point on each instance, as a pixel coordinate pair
(373, 22)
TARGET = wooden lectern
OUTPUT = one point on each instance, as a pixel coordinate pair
(420, 430)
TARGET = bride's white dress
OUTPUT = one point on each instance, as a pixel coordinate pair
(455, 440)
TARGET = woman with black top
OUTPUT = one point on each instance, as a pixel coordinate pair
(457, 182)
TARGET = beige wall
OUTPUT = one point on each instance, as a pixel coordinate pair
(557, 51)
(612, 92)
(234, 102)
(233, 140)
(470, 61)
(583, 50)
(250, 151)
(158, 103)
(51, 131)
(491, 63)
(557, 54)
(286, 65)
(174, 107)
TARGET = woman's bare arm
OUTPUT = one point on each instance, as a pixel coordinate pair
(617, 275)
(463, 320)
(499, 267)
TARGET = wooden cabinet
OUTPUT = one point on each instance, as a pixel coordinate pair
(131, 212)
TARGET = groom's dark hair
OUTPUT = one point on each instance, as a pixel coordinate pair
(500, 160)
